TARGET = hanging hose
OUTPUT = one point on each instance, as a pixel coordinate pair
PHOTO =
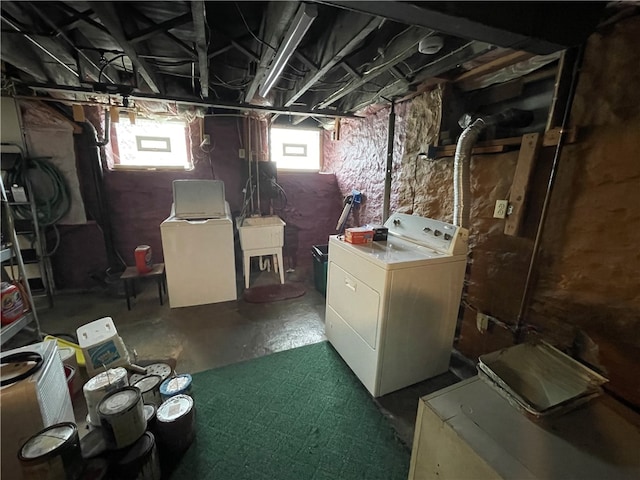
(49, 209)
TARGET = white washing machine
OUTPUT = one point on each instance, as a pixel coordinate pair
(199, 255)
(392, 306)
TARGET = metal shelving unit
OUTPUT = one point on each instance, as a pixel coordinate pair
(11, 252)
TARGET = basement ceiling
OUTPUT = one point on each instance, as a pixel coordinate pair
(221, 54)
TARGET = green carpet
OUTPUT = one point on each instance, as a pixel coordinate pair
(299, 414)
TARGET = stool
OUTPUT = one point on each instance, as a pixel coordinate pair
(131, 274)
(261, 252)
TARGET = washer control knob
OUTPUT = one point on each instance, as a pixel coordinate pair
(426, 230)
(447, 236)
(437, 233)
(396, 221)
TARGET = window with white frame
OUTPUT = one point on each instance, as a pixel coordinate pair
(295, 148)
(151, 144)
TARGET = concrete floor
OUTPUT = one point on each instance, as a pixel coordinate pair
(209, 336)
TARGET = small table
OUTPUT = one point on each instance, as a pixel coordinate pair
(131, 274)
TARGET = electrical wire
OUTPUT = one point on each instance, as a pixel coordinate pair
(249, 30)
(107, 63)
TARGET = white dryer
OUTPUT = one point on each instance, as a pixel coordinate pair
(392, 306)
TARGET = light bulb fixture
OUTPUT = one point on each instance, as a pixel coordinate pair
(305, 16)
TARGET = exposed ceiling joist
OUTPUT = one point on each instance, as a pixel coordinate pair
(52, 51)
(432, 69)
(401, 48)
(157, 28)
(517, 25)
(14, 51)
(109, 17)
(348, 31)
(86, 16)
(277, 18)
(350, 70)
(199, 13)
(74, 20)
(176, 41)
(95, 71)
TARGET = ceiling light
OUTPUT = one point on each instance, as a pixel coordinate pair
(430, 45)
(305, 16)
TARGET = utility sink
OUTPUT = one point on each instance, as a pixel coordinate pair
(257, 233)
(261, 236)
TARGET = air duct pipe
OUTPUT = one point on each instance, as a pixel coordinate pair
(468, 137)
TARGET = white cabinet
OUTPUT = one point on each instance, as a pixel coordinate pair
(468, 431)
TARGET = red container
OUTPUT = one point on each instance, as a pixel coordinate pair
(144, 262)
(12, 303)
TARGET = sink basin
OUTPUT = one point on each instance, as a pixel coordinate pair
(257, 233)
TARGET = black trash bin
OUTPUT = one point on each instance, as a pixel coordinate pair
(320, 260)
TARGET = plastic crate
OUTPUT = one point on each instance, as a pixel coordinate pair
(320, 262)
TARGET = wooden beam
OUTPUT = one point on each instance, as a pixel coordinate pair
(438, 66)
(517, 25)
(549, 139)
(86, 16)
(74, 20)
(401, 48)
(347, 32)
(277, 17)
(199, 13)
(518, 196)
(162, 27)
(109, 17)
(350, 70)
(493, 66)
(176, 41)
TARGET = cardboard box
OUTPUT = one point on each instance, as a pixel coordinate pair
(358, 235)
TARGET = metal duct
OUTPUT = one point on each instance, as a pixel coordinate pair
(468, 138)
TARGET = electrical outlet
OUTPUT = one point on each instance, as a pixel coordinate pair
(206, 140)
(500, 210)
(482, 322)
(241, 153)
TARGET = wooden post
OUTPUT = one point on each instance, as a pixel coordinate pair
(526, 160)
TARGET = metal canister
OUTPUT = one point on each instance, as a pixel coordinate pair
(122, 417)
(162, 369)
(52, 454)
(99, 386)
(175, 423)
(149, 387)
(140, 461)
(180, 384)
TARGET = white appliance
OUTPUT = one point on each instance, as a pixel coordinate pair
(392, 306)
(32, 404)
(199, 260)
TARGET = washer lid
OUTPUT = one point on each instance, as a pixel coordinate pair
(395, 252)
(47, 441)
(174, 408)
(119, 401)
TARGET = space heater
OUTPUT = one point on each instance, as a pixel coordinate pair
(33, 403)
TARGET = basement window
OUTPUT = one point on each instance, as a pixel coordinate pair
(295, 148)
(151, 144)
